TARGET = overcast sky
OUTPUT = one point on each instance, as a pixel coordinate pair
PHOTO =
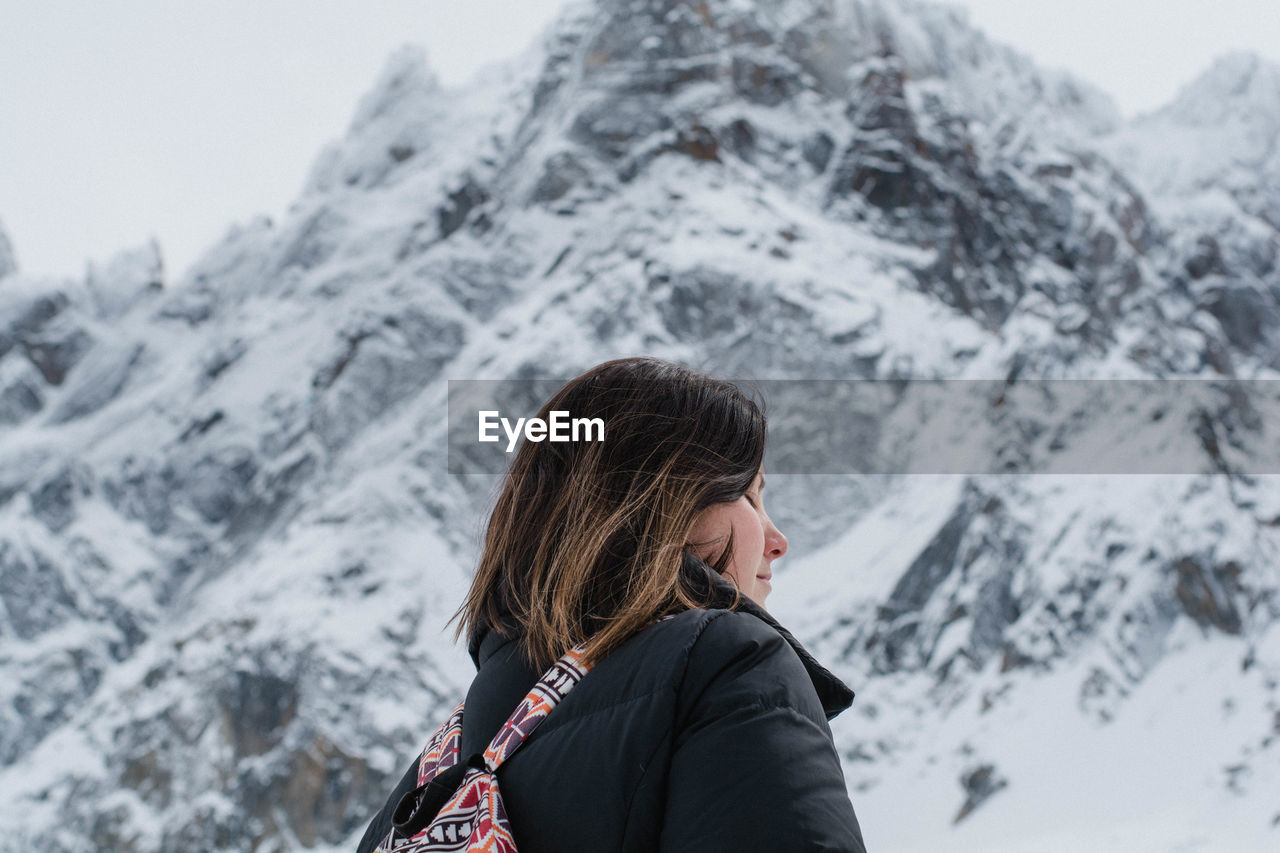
(124, 119)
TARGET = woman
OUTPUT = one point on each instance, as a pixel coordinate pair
(704, 731)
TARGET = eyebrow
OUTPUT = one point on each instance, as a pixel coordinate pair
(762, 482)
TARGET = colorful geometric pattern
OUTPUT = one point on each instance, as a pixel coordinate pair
(474, 819)
(442, 749)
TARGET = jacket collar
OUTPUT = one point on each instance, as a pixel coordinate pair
(835, 695)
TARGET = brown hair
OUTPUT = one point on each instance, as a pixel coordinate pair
(588, 537)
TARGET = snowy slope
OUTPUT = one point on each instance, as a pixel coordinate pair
(229, 542)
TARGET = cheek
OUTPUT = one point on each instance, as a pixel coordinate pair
(748, 534)
(751, 535)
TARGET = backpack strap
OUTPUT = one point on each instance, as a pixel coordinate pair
(554, 685)
(442, 749)
(457, 804)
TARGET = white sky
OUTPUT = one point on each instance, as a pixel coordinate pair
(123, 119)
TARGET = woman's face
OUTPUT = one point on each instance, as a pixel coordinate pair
(756, 542)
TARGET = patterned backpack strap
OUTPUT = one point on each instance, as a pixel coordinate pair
(554, 685)
(442, 749)
(474, 818)
(441, 753)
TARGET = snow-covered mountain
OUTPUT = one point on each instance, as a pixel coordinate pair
(230, 541)
(1210, 163)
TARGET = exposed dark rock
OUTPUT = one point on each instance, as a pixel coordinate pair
(881, 104)
(331, 370)
(56, 349)
(1206, 259)
(610, 126)
(97, 383)
(379, 367)
(764, 82)
(694, 140)
(918, 177)
(668, 78)
(1208, 593)
(220, 483)
(254, 709)
(1101, 695)
(21, 394)
(33, 592)
(311, 241)
(132, 632)
(279, 486)
(323, 792)
(222, 358)
(143, 491)
(53, 501)
(931, 568)
(899, 616)
(43, 691)
(150, 776)
(1129, 210)
(190, 305)
(25, 318)
(201, 425)
(433, 338)
(697, 304)
(679, 31)
(111, 828)
(979, 784)
(698, 142)
(996, 609)
(1249, 316)
(817, 149)
(560, 173)
(453, 215)
(740, 138)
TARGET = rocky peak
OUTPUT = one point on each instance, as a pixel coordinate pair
(119, 284)
(394, 122)
(1220, 132)
(1236, 85)
(662, 44)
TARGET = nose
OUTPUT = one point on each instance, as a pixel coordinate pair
(775, 544)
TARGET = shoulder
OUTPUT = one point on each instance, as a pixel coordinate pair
(710, 637)
(696, 647)
(738, 643)
(734, 658)
(715, 636)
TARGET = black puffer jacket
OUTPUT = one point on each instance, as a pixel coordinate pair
(705, 732)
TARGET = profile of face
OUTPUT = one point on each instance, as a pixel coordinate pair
(756, 541)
